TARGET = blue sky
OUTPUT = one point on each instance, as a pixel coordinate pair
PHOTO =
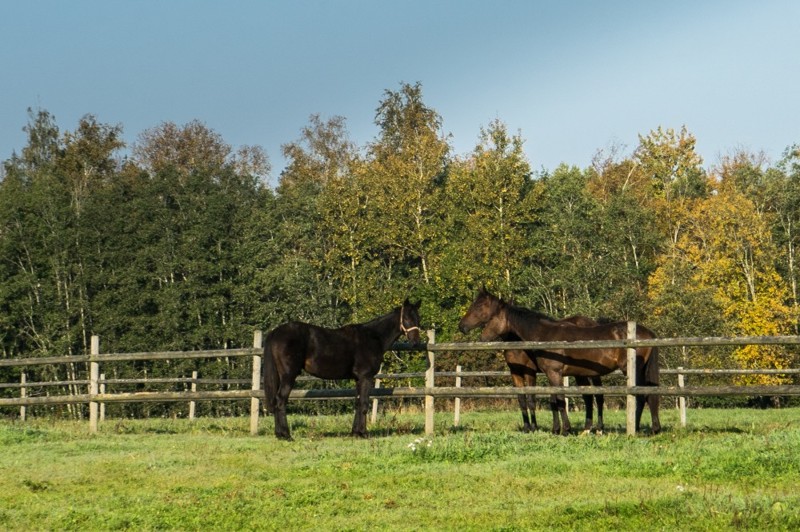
(572, 77)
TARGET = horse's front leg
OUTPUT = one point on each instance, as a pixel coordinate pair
(600, 400)
(526, 402)
(588, 403)
(558, 404)
(363, 387)
(530, 400)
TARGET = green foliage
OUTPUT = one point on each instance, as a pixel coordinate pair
(181, 245)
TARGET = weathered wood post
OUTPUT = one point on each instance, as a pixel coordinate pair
(565, 382)
(682, 398)
(23, 393)
(102, 391)
(457, 413)
(374, 416)
(256, 386)
(193, 403)
(429, 383)
(631, 370)
(94, 375)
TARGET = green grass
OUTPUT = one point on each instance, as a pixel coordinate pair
(730, 469)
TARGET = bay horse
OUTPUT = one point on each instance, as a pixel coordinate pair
(354, 351)
(499, 318)
(523, 368)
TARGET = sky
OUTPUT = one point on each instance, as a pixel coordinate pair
(570, 77)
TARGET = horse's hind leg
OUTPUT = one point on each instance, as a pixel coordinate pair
(282, 397)
(640, 401)
(653, 401)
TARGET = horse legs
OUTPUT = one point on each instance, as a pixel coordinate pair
(558, 405)
(526, 402)
(600, 400)
(363, 387)
(588, 401)
(530, 400)
(653, 401)
(281, 398)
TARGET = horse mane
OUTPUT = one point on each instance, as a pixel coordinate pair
(524, 312)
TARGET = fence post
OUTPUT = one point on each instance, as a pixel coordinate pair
(682, 398)
(429, 383)
(254, 401)
(23, 393)
(193, 403)
(457, 413)
(565, 382)
(94, 374)
(631, 370)
(102, 391)
(374, 417)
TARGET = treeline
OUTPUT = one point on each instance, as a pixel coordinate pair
(182, 244)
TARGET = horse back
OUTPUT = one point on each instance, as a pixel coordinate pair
(320, 351)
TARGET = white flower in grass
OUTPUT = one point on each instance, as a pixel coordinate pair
(418, 442)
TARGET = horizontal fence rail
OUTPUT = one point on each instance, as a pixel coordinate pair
(97, 396)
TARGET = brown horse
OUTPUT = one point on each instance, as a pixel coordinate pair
(350, 352)
(499, 318)
(522, 366)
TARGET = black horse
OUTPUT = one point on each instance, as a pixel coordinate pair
(499, 318)
(350, 352)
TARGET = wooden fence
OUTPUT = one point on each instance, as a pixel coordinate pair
(96, 395)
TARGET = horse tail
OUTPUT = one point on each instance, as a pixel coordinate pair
(270, 374)
(651, 369)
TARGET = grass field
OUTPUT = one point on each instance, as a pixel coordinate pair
(730, 469)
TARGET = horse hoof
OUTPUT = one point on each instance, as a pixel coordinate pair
(586, 432)
(284, 437)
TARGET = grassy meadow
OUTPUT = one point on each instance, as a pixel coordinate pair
(729, 469)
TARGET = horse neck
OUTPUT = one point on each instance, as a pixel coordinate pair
(521, 322)
(387, 328)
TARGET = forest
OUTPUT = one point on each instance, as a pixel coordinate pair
(181, 241)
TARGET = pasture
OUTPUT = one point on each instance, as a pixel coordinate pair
(729, 469)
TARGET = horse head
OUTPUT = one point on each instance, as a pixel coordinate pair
(485, 307)
(409, 320)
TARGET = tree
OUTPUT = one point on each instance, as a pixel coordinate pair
(300, 282)
(405, 171)
(488, 210)
(669, 163)
(729, 246)
(559, 276)
(192, 203)
(782, 200)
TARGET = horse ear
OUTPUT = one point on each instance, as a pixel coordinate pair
(408, 303)
(483, 290)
